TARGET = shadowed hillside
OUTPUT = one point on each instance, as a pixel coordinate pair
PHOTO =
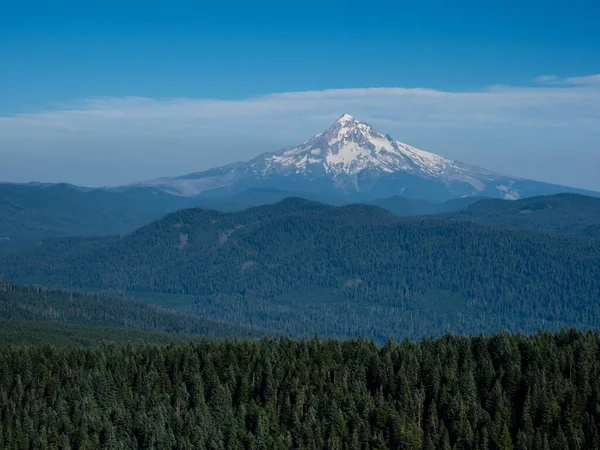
(563, 213)
(35, 303)
(30, 213)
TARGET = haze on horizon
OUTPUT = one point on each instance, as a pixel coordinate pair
(94, 98)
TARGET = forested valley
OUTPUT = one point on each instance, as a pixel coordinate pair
(300, 267)
(303, 325)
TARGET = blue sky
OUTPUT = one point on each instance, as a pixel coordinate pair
(113, 92)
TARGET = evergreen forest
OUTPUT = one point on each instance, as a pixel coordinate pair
(493, 392)
(301, 325)
(299, 267)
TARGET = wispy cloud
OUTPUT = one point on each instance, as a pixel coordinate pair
(558, 104)
(143, 131)
(582, 81)
(588, 80)
(550, 79)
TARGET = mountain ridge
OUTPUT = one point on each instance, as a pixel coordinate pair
(563, 213)
(353, 160)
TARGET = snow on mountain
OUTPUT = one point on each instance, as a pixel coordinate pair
(350, 146)
(351, 158)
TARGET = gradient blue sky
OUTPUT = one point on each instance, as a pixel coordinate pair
(113, 92)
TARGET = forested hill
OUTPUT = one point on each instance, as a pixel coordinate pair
(32, 212)
(301, 267)
(402, 206)
(35, 303)
(562, 213)
(504, 392)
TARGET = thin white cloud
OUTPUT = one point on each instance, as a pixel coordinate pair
(546, 79)
(195, 134)
(540, 106)
(588, 80)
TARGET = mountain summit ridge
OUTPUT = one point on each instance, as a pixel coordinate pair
(350, 146)
(352, 159)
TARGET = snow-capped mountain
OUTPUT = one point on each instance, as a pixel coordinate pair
(349, 147)
(353, 160)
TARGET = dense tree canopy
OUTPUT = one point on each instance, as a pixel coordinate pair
(488, 393)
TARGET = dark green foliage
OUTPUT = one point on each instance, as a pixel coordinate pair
(62, 334)
(34, 303)
(481, 393)
(562, 213)
(300, 267)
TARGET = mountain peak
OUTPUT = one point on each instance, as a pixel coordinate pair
(345, 118)
(347, 128)
(348, 147)
(348, 121)
(352, 156)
